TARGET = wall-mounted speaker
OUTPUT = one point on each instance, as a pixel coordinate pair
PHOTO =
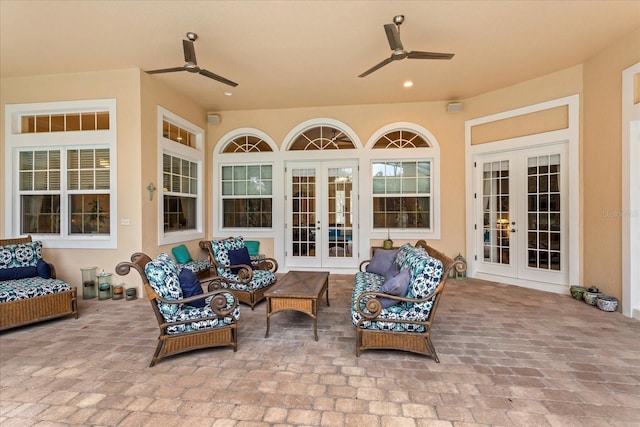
(453, 107)
(213, 118)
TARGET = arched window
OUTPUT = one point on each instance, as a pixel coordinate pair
(322, 138)
(404, 190)
(245, 178)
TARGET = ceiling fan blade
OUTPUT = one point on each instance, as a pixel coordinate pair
(221, 79)
(414, 54)
(189, 52)
(165, 70)
(377, 66)
(393, 36)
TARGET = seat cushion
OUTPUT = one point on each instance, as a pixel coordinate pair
(261, 279)
(30, 287)
(164, 280)
(202, 317)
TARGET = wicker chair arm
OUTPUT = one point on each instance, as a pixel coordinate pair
(364, 264)
(218, 302)
(269, 264)
(374, 306)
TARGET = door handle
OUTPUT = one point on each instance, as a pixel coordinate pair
(513, 230)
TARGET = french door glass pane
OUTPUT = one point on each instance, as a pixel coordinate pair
(496, 212)
(543, 225)
(303, 191)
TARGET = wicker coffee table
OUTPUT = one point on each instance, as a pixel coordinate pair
(298, 291)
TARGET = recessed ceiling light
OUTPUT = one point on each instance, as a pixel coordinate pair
(408, 83)
(228, 93)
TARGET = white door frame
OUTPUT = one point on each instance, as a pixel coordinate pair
(321, 258)
(569, 135)
(630, 303)
(517, 265)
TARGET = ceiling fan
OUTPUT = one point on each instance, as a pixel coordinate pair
(191, 63)
(398, 52)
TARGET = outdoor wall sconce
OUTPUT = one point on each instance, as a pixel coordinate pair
(151, 189)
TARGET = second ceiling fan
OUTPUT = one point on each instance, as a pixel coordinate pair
(398, 52)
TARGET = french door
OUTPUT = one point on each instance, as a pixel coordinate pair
(321, 220)
(521, 214)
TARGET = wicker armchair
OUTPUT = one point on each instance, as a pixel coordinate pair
(247, 282)
(184, 327)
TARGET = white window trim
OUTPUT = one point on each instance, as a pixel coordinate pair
(16, 141)
(270, 158)
(431, 154)
(196, 155)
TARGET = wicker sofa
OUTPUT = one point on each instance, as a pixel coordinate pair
(29, 290)
(403, 321)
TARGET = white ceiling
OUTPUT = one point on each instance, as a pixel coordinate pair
(309, 53)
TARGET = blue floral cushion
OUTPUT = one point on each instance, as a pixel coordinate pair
(15, 290)
(163, 278)
(196, 265)
(203, 318)
(20, 255)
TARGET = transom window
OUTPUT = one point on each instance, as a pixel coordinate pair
(65, 122)
(177, 134)
(246, 144)
(322, 138)
(401, 139)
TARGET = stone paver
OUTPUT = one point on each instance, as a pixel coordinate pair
(509, 357)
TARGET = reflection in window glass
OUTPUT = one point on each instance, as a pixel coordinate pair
(247, 196)
(402, 194)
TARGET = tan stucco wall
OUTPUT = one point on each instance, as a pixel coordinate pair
(601, 163)
(154, 94)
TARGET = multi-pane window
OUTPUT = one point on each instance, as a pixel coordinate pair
(402, 194)
(247, 196)
(60, 172)
(180, 168)
(86, 186)
(180, 189)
